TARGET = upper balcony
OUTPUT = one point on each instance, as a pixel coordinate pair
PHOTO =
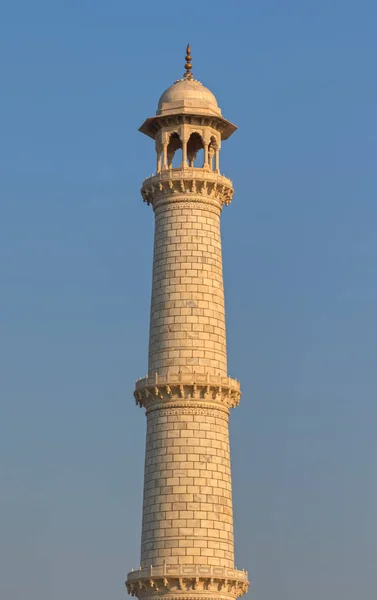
(187, 181)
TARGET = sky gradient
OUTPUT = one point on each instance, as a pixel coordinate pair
(300, 257)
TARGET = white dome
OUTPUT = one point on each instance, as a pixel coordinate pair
(188, 96)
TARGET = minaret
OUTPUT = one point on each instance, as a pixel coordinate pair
(187, 547)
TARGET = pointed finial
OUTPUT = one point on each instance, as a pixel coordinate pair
(188, 65)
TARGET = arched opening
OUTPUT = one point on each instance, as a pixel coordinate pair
(174, 157)
(195, 150)
(212, 149)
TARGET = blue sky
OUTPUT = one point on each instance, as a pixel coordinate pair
(300, 253)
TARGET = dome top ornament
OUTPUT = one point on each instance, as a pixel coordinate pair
(188, 65)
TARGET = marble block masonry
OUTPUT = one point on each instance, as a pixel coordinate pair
(187, 546)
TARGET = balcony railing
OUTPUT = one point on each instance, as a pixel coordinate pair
(188, 172)
(187, 378)
(187, 571)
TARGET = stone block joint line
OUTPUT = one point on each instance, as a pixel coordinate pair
(187, 545)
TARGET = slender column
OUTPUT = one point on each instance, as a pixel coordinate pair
(205, 154)
(210, 157)
(165, 155)
(217, 160)
(184, 153)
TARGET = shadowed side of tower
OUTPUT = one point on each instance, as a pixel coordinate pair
(187, 547)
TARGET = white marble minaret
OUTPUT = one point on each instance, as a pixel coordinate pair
(187, 547)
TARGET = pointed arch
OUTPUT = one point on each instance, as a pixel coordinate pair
(195, 150)
(174, 157)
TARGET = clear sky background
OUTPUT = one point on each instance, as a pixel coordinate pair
(77, 78)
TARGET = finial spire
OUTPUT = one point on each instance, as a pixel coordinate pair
(188, 65)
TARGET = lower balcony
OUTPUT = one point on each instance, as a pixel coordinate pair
(183, 579)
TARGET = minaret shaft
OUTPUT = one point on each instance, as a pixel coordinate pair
(187, 327)
(187, 513)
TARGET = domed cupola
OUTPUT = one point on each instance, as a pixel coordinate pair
(188, 130)
(187, 97)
